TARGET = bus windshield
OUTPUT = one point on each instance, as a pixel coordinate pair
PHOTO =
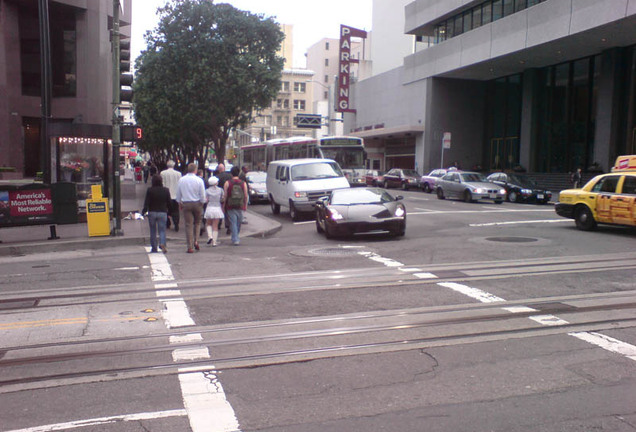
(347, 158)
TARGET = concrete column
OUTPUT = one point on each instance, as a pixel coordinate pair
(607, 109)
(528, 135)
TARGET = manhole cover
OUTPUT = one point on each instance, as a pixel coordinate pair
(512, 239)
(332, 251)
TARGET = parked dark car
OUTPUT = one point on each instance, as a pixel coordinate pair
(257, 186)
(401, 178)
(520, 188)
(356, 211)
(374, 178)
(428, 182)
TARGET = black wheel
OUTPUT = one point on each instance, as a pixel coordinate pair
(512, 196)
(328, 233)
(275, 207)
(293, 212)
(498, 201)
(440, 193)
(386, 184)
(426, 188)
(318, 227)
(468, 197)
(584, 218)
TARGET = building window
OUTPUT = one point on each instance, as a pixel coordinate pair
(279, 103)
(284, 86)
(327, 46)
(477, 16)
(325, 95)
(520, 5)
(326, 78)
(508, 7)
(468, 21)
(486, 13)
(300, 87)
(497, 11)
(326, 62)
(299, 104)
(279, 120)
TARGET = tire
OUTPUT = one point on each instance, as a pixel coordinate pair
(318, 227)
(512, 196)
(386, 184)
(440, 193)
(498, 201)
(468, 197)
(275, 207)
(293, 212)
(426, 188)
(328, 233)
(584, 219)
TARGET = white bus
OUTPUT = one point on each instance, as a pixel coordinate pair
(347, 151)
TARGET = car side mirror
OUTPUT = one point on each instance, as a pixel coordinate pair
(399, 198)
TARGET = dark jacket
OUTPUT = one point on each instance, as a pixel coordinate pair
(157, 200)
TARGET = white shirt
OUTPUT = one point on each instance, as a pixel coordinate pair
(191, 189)
(171, 179)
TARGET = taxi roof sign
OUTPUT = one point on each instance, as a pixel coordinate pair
(625, 163)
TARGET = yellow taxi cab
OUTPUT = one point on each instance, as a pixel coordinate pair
(607, 198)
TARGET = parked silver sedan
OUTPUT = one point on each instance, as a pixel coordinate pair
(468, 186)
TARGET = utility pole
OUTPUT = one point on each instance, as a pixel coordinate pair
(116, 196)
(45, 89)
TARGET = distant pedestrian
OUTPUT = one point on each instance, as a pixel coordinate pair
(214, 210)
(223, 176)
(235, 192)
(157, 205)
(146, 171)
(171, 179)
(576, 179)
(191, 197)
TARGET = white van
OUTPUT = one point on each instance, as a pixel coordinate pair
(298, 183)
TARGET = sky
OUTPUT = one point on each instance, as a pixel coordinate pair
(312, 19)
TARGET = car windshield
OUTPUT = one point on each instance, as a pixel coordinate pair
(317, 170)
(522, 181)
(256, 177)
(410, 173)
(436, 173)
(473, 177)
(360, 196)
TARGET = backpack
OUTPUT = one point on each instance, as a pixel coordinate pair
(236, 195)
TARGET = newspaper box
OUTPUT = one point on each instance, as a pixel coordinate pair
(97, 213)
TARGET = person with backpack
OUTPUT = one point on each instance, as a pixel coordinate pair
(235, 192)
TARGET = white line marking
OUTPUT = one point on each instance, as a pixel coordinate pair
(519, 309)
(127, 268)
(304, 223)
(429, 212)
(425, 275)
(205, 401)
(104, 420)
(410, 269)
(194, 353)
(549, 320)
(168, 293)
(607, 343)
(475, 293)
(386, 261)
(207, 407)
(520, 222)
(189, 338)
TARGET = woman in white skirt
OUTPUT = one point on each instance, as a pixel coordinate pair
(214, 210)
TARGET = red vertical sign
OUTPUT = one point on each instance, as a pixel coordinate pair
(344, 74)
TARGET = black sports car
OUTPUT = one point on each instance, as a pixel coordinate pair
(360, 210)
(520, 188)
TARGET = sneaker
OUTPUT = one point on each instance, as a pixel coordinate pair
(176, 228)
(209, 241)
(190, 251)
(227, 231)
(214, 244)
(196, 246)
(153, 250)
(235, 243)
(163, 248)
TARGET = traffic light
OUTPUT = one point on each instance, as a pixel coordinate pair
(132, 133)
(125, 77)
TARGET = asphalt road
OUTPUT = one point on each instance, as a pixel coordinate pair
(483, 317)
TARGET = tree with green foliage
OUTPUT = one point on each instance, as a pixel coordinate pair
(206, 68)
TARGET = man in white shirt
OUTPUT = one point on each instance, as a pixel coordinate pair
(191, 197)
(171, 179)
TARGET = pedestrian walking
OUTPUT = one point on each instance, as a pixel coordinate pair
(214, 210)
(157, 205)
(576, 179)
(235, 192)
(223, 177)
(171, 179)
(191, 197)
(146, 171)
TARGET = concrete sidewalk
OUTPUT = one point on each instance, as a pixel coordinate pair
(31, 239)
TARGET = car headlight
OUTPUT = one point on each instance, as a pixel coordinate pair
(399, 212)
(334, 214)
(479, 190)
(526, 191)
(300, 194)
(502, 191)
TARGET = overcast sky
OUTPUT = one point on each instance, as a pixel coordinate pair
(312, 19)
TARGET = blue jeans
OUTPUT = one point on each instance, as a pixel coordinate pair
(235, 217)
(157, 221)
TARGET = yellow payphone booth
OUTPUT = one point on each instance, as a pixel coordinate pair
(97, 213)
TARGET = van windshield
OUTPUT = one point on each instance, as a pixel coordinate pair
(313, 171)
